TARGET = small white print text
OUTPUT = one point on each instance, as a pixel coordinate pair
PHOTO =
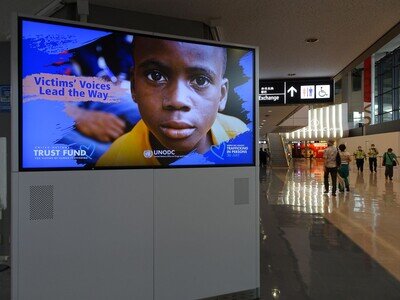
(236, 150)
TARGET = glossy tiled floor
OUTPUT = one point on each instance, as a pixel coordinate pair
(316, 246)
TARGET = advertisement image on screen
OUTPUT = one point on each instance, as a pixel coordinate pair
(92, 98)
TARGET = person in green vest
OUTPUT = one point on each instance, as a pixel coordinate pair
(389, 161)
(372, 156)
(360, 156)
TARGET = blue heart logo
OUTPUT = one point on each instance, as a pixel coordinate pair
(89, 149)
(219, 150)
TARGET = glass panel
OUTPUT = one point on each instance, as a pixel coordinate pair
(338, 87)
(356, 76)
(387, 64)
(357, 117)
(378, 101)
(387, 108)
(387, 81)
(377, 69)
(350, 117)
(396, 115)
(397, 97)
(387, 117)
(397, 57)
(387, 102)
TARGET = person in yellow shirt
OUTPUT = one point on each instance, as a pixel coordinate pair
(360, 156)
(372, 158)
(181, 91)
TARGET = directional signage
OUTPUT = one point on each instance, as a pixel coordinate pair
(292, 91)
(296, 91)
(273, 92)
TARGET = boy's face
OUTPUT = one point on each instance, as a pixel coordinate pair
(179, 88)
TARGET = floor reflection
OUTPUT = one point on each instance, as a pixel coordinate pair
(304, 255)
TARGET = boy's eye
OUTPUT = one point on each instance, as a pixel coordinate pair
(200, 81)
(156, 76)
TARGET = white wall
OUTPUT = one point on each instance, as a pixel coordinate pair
(299, 118)
(382, 141)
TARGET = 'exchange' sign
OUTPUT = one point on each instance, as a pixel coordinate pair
(296, 91)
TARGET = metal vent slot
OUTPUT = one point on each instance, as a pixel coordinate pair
(41, 204)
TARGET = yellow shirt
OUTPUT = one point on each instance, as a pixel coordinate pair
(360, 154)
(128, 150)
(373, 152)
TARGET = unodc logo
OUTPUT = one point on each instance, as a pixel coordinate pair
(147, 153)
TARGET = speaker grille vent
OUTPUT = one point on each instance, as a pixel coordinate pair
(241, 191)
(41, 205)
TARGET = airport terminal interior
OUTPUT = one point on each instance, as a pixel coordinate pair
(314, 173)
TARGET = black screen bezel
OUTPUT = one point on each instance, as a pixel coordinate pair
(126, 31)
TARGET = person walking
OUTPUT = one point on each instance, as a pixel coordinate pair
(389, 161)
(360, 156)
(343, 170)
(262, 158)
(330, 167)
(372, 158)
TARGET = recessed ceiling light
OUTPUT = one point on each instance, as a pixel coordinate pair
(291, 74)
(311, 40)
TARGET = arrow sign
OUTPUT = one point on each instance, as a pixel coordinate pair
(295, 91)
(292, 90)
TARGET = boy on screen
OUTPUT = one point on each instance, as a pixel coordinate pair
(180, 90)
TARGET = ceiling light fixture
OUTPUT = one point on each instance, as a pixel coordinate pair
(311, 40)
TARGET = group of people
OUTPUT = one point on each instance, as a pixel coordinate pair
(360, 156)
(337, 163)
(389, 160)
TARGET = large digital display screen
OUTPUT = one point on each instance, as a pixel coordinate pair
(95, 98)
